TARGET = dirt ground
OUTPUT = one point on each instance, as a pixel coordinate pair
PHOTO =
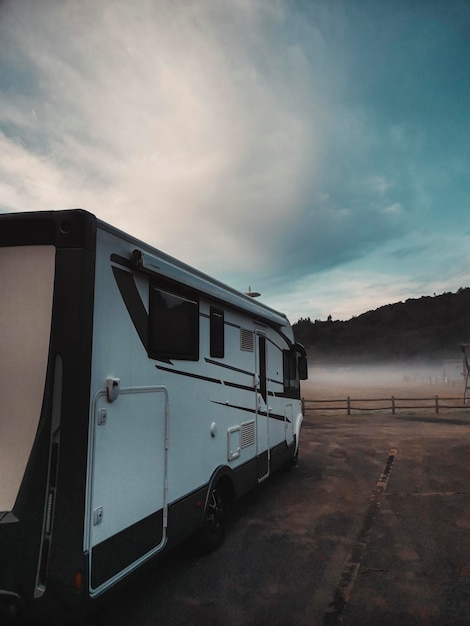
(409, 557)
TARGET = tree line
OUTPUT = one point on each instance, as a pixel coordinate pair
(429, 327)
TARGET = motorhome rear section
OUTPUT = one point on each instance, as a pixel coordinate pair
(26, 288)
(138, 395)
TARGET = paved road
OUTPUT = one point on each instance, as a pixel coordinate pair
(372, 528)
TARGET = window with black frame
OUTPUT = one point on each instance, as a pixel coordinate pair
(217, 333)
(174, 325)
(291, 375)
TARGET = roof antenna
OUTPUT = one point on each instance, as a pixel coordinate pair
(252, 294)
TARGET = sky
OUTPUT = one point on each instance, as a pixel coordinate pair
(315, 150)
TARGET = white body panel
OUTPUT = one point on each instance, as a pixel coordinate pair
(157, 446)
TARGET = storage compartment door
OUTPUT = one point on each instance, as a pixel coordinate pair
(128, 506)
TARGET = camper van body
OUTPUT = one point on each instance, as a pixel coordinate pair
(138, 395)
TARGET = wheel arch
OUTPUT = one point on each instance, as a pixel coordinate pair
(222, 476)
(296, 430)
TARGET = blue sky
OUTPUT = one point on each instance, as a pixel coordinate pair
(318, 151)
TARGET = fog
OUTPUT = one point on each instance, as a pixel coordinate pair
(371, 380)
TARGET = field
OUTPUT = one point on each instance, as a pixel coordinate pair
(382, 380)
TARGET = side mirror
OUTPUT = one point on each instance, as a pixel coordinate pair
(303, 368)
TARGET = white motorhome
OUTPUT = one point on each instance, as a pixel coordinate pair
(138, 397)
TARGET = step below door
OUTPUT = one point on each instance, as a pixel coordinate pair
(128, 504)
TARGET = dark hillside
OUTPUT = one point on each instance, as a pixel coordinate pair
(427, 327)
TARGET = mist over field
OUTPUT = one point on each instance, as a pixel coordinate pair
(409, 378)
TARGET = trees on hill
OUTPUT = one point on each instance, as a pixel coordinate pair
(423, 327)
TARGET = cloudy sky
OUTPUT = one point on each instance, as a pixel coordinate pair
(317, 150)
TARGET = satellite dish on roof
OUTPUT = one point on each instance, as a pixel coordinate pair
(252, 294)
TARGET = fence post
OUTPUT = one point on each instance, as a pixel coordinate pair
(393, 405)
(349, 405)
(437, 403)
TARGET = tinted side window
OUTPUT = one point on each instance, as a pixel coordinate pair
(217, 333)
(291, 376)
(174, 325)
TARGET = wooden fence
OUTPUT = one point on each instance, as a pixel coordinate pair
(392, 404)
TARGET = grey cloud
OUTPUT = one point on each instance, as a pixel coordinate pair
(245, 137)
(200, 119)
(322, 240)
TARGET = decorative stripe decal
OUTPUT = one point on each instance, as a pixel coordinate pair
(218, 381)
(238, 386)
(273, 416)
(229, 367)
(189, 374)
(133, 301)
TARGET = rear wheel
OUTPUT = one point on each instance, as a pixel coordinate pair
(292, 462)
(215, 518)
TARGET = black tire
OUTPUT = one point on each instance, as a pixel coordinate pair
(215, 520)
(295, 459)
(292, 462)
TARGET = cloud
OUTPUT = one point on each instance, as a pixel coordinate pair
(259, 140)
(205, 118)
(380, 184)
(161, 119)
(392, 209)
(382, 277)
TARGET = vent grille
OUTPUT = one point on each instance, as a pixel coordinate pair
(247, 341)
(247, 434)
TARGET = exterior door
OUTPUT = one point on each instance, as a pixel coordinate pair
(262, 407)
(128, 491)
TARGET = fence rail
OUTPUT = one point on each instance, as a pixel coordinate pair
(393, 404)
